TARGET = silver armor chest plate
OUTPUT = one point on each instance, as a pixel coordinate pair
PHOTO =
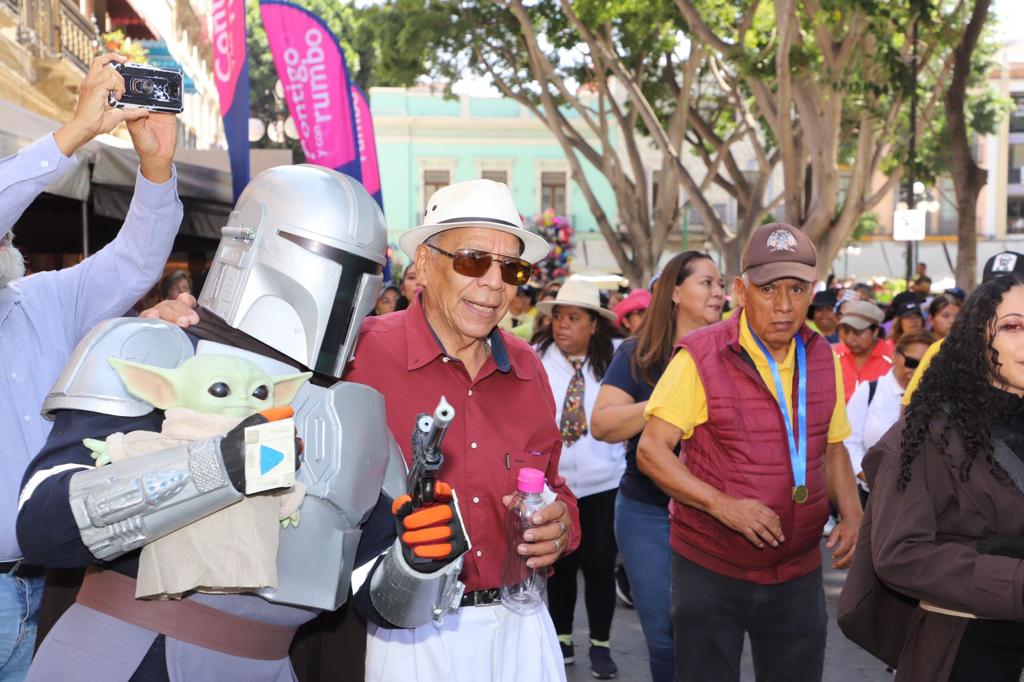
(347, 461)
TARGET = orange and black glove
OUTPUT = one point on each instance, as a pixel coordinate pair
(432, 536)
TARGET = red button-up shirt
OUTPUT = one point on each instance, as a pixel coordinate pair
(504, 421)
(878, 363)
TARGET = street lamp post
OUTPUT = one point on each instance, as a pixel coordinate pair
(911, 199)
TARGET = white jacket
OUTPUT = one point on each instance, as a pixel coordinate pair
(589, 466)
(870, 421)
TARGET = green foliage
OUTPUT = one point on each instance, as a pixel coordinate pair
(117, 41)
(866, 226)
(348, 23)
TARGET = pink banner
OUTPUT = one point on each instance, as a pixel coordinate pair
(312, 70)
(228, 48)
(367, 143)
(231, 75)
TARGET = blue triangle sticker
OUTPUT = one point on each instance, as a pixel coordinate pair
(269, 458)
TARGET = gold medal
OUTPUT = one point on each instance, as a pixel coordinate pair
(800, 494)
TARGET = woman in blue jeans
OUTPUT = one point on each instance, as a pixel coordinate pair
(688, 295)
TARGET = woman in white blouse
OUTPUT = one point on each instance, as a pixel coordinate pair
(576, 349)
(875, 405)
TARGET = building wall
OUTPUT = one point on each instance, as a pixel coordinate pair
(418, 130)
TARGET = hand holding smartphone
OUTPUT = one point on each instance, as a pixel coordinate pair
(149, 87)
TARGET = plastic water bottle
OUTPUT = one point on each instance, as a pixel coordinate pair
(523, 589)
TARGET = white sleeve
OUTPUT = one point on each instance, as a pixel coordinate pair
(857, 413)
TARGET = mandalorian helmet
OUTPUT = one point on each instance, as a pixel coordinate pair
(299, 264)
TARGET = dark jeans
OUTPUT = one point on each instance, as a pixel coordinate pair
(642, 531)
(710, 613)
(596, 558)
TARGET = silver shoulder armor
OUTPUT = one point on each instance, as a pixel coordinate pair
(88, 381)
(344, 467)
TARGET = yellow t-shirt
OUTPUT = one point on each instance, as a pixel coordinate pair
(679, 396)
(926, 361)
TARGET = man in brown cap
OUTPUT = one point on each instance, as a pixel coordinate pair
(758, 400)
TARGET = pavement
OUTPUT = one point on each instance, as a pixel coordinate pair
(844, 660)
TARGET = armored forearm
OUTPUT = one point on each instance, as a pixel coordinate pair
(408, 598)
(125, 505)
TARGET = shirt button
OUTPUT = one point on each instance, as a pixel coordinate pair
(444, 359)
(28, 418)
(14, 375)
(473, 445)
(44, 163)
(476, 500)
(479, 552)
(471, 391)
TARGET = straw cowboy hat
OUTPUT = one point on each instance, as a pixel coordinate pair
(580, 293)
(474, 203)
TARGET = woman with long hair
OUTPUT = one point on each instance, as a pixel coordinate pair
(576, 349)
(688, 295)
(947, 500)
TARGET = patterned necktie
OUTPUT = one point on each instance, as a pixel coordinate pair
(574, 419)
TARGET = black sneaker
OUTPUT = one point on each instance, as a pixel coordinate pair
(601, 664)
(568, 655)
(622, 589)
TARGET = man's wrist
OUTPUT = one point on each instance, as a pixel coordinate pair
(157, 171)
(70, 137)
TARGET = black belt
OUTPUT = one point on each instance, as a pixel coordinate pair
(481, 598)
(20, 569)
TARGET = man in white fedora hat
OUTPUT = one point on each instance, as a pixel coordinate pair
(471, 253)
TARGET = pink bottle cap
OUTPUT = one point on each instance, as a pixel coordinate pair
(531, 480)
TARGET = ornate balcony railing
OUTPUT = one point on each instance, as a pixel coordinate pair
(56, 29)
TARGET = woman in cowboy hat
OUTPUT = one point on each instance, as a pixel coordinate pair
(576, 349)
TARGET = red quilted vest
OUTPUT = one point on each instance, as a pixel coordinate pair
(742, 450)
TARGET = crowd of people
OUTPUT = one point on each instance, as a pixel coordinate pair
(233, 473)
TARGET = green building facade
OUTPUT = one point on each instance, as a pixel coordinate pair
(425, 141)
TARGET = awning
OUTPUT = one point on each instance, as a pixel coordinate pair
(204, 181)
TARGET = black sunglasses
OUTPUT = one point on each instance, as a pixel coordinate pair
(473, 263)
(910, 362)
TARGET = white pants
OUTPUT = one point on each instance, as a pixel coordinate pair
(477, 644)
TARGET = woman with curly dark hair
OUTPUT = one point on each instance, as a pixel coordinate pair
(947, 503)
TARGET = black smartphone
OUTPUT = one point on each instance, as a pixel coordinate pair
(149, 87)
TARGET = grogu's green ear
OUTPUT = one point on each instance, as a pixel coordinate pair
(286, 387)
(155, 385)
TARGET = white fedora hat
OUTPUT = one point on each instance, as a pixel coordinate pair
(578, 292)
(474, 203)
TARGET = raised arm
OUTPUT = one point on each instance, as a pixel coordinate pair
(24, 175)
(107, 283)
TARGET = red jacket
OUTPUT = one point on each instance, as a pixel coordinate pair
(743, 451)
(879, 362)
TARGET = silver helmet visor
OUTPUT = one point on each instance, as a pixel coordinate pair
(339, 324)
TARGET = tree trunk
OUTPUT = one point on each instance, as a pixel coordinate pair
(968, 177)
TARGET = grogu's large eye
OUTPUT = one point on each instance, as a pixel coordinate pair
(219, 390)
(261, 393)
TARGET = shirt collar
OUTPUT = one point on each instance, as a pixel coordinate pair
(423, 346)
(10, 296)
(748, 344)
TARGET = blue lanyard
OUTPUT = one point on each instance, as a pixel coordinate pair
(797, 452)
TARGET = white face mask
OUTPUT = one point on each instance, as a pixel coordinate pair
(12, 263)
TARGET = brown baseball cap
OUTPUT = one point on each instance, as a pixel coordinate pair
(861, 314)
(778, 250)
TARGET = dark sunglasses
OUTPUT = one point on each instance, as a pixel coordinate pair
(910, 362)
(473, 263)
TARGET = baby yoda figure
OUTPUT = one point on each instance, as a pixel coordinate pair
(232, 550)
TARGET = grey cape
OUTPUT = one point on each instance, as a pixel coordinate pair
(923, 545)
